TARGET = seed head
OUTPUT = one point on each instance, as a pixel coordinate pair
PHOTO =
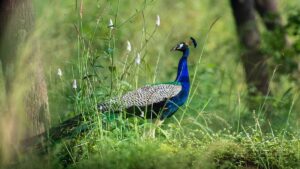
(59, 72)
(138, 59)
(74, 84)
(157, 20)
(111, 24)
(128, 46)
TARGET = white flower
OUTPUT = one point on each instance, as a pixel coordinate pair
(138, 59)
(59, 72)
(157, 20)
(74, 84)
(128, 46)
(111, 24)
(142, 114)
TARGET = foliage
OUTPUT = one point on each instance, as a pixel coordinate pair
(282, 45)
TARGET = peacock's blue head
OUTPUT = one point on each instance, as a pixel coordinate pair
(183, 46)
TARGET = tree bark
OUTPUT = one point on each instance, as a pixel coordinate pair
(26, 92)
(254, 61)
(268, 10)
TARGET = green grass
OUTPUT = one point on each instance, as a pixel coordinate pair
(223, 149)
(214, 130)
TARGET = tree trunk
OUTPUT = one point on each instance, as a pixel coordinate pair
(270, 15)
(26, 109)
(268, 10)
(254, 61)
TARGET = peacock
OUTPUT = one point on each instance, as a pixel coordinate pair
(160, 100)
(156, 101)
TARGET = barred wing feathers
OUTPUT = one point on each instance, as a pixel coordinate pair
(142, 97)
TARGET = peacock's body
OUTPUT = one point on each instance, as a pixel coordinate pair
(150, 98)
(151, 101)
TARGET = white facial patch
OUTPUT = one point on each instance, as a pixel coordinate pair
(180, 46)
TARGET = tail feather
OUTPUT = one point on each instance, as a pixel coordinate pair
(67, 129)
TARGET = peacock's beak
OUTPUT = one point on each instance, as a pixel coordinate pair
(173, 49)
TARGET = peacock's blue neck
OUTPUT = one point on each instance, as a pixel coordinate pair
(183, 72)
(184, 80)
